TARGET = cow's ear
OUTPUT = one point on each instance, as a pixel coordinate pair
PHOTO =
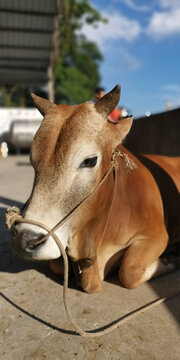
(108, 102)
(120, 129)
(43, 105)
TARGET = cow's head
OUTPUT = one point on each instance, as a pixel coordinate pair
(70, 153)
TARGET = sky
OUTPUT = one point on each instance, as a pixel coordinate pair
(141, 49)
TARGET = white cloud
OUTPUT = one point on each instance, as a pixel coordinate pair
(169, 3)
(131, 4)
(173, 88)
(165, 23)
(118, 27)
(132, 61)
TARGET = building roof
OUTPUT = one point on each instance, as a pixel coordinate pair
(28, 40)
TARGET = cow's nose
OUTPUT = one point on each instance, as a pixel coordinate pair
(26, 240)
(30, 240)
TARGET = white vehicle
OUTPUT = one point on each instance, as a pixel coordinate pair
(18, 126)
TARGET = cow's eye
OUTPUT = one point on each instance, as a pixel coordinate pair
(89, 162)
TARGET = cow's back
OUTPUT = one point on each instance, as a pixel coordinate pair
(166, 172)
(170, 164)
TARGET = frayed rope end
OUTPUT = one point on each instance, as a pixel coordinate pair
(129, 163)
(12, 214)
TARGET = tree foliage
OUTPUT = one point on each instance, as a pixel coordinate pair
(77, 69)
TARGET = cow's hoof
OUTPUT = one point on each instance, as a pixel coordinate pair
(92, 288)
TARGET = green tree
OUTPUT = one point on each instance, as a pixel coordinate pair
(77, 69)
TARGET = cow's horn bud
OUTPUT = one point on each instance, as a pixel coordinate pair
(107, 103)
(43, 105)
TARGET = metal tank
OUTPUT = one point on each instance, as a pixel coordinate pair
(21, 134)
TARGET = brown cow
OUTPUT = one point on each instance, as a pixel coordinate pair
(70, 154)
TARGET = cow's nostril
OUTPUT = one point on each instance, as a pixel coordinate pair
(26, 242)
(39, 239)
(32, 246)
(30, 240)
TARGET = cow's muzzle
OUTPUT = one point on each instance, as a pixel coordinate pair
(26, 242)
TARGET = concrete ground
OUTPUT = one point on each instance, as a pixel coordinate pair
(33, 322)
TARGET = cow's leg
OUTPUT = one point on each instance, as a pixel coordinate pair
(141, 262)
(57, 267)
(90, 280)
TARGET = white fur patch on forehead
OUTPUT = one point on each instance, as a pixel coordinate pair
(62, 128)
(72, 117)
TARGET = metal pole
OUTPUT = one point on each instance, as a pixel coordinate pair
(50, 84)
(54, 51)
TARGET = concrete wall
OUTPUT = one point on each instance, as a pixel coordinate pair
(157, 134)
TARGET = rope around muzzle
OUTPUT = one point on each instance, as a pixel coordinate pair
(13, 217)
